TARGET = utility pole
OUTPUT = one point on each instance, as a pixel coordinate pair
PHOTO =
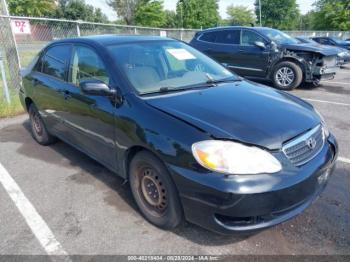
(260, 12)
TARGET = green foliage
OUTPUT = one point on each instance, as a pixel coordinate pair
(280, 14)
(31, 7)
(332, 15)
(79, 10)
(240, 15)
(307, 21)
(150, 13)
(197, 13)
(125, 9)
(171, 20)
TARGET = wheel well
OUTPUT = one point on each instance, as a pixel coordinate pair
(130, 155)
(28, 102)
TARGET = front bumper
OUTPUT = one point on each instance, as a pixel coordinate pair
(231, 204)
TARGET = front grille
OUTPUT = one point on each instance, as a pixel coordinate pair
(305, 147)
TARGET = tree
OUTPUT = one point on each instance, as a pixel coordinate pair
(332, 15)
(31, 7)
(125, 9)
(240, 15)
(281, 14)
(171, 20)
(307, 21)
(197, 13)
(149, 13)
(79, 10)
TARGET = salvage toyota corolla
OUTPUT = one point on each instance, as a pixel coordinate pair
(195, 141)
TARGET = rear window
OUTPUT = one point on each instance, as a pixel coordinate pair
(228, 37)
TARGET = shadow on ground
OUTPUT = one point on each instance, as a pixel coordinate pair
(90, 170)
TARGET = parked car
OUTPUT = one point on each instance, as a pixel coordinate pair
(334, 41)
(343, 54)
(269, 54)
(194, 140)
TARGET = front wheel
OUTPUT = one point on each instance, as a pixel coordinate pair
(154, 191)
(287, 75)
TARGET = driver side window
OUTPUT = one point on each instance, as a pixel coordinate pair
(249, 38)
(87, 65)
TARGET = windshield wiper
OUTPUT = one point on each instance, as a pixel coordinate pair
(224, 80)
(210, 83)
(170, 89)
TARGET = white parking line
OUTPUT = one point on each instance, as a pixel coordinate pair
(38, 226)
(332, 82)
(343, 159)
(327, 102)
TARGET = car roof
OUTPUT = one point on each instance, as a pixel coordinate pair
(232, 27)
(112, 39)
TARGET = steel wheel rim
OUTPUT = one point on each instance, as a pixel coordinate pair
(285, 76)
(37, 124)
(152, 191)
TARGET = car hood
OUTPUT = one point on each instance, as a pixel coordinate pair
(308, 47)
(243, 111)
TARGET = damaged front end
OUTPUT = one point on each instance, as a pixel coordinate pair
(316, 66)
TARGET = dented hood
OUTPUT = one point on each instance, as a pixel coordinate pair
(243, 111)
(308, 47)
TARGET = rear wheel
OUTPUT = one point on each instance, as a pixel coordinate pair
(154, 191)
(39, 131)
(287, 75)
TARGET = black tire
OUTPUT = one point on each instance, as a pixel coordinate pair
(289, 80)
(154, 191)
(39, 131)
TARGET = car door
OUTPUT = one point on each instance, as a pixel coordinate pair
(226, 48)
(90, 118)
(48, 79)
(253, 60)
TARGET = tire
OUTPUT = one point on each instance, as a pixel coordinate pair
(154, 191)
(287, 75)
(38, 129)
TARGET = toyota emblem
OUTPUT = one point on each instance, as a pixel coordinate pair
(311, 143)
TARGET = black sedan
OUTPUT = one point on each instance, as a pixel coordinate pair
(343, 54)
(334, 41)
(195, 141)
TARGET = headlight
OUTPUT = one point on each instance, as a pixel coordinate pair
(323, 123)
(234, 158)
(342, 54)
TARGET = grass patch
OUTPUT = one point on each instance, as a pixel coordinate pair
(15, 107)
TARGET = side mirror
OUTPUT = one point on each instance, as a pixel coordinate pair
(260, 44)
(96, 88)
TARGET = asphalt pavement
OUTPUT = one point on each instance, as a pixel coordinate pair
(76, 206)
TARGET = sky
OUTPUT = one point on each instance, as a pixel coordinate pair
(304, 6)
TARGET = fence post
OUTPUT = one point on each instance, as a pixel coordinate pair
(3, 75)
(181, 34)
(78, 29)
(8, 42)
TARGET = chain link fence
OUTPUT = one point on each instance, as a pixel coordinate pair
(21, 38)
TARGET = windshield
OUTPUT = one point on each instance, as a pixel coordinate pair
(278, 36)
(338, 40)
(306, 40)
(166, 65)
